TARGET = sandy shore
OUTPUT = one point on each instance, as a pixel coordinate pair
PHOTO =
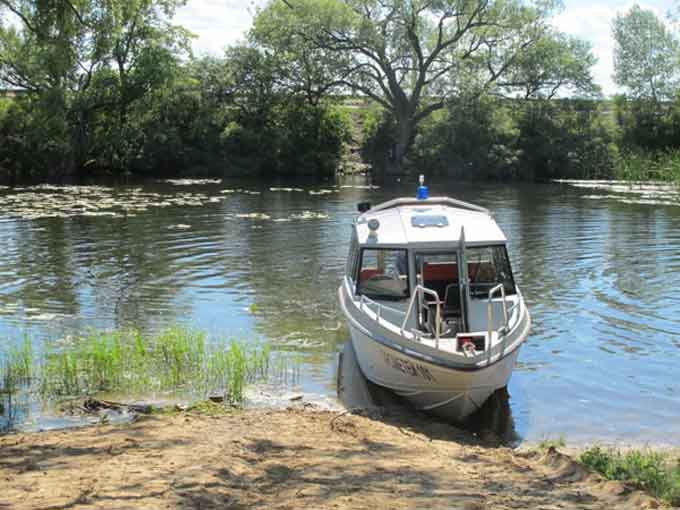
(293, 458)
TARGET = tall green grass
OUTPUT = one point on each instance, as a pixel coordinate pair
(16, 371)
(177, 359)
(648, 166)
(16, 367)
(650, 471)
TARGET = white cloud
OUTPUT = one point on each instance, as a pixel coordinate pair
(216, 23)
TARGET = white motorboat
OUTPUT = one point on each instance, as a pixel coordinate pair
(432, 307)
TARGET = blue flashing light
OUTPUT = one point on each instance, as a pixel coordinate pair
(422, 193)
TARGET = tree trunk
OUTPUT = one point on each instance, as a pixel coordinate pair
(79, 144)
(397, 161)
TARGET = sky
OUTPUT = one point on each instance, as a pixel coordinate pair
(219, 23)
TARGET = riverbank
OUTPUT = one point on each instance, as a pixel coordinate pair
(294, 458)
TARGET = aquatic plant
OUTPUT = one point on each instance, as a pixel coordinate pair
(16, 367)
(651, 471)
(176, 359)
(16, 370)
(648, 166)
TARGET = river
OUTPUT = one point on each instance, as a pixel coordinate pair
(599, 268)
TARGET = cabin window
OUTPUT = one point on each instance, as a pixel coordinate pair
(383, 274)
(488, 266)
(353, 258)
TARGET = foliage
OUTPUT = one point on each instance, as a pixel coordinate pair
(640, 165)
(555, 63)
(410, 57)
(473, 89)
(16, 368)
(84, 64)
(646, 64)
(471, 139)
(209, 116)
(487, 137)
(570, 139)
(648, 125)
(177, 359)
(645, 55)
(647, 470)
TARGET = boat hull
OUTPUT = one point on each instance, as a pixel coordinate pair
(446, 392)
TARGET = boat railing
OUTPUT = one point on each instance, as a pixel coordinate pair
(506, 312)
(420, 290)
(418, 295)
(378, 308)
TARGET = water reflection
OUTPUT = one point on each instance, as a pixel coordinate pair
(599, 277)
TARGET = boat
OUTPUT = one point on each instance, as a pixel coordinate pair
(432, 306)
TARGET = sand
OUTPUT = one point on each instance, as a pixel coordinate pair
(295, 458)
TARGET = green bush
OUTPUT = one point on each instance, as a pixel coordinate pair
(493, 138)
(647, 470)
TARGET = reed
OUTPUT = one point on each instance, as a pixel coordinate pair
(16, 367)
(16, 371)
(177, 359)
(648, 166)
(651, 471)
(230, 368)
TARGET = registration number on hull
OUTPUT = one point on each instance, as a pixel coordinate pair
(408, 367)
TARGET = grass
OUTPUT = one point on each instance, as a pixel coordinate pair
(16, 367)
(648, 166)
(547, 443)
(16, 370)
(651, 471)
(178, 360)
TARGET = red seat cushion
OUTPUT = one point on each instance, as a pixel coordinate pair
(440, 271)
(367, 273)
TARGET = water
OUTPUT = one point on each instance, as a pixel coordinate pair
(599, 268)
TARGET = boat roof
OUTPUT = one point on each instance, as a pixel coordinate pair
(433, 221)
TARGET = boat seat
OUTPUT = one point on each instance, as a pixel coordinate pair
(441, 271)
(451, 301)
(367, 273)
(438, 275)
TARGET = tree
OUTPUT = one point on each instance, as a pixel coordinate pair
(86, 62)
(555, 64)
(645, 55)
(410, 56)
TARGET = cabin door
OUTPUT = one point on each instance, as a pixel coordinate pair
(463, 280)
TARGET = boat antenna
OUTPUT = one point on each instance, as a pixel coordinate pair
(423, 192)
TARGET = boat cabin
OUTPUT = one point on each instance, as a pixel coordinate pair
(438, 264)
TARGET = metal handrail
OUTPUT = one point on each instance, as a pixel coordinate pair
(490, 315)
(418, 292)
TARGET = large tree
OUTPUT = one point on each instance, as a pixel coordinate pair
(645, 55)
(410, 56)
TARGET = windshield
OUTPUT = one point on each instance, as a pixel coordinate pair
(383, 274)
(489, 266)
